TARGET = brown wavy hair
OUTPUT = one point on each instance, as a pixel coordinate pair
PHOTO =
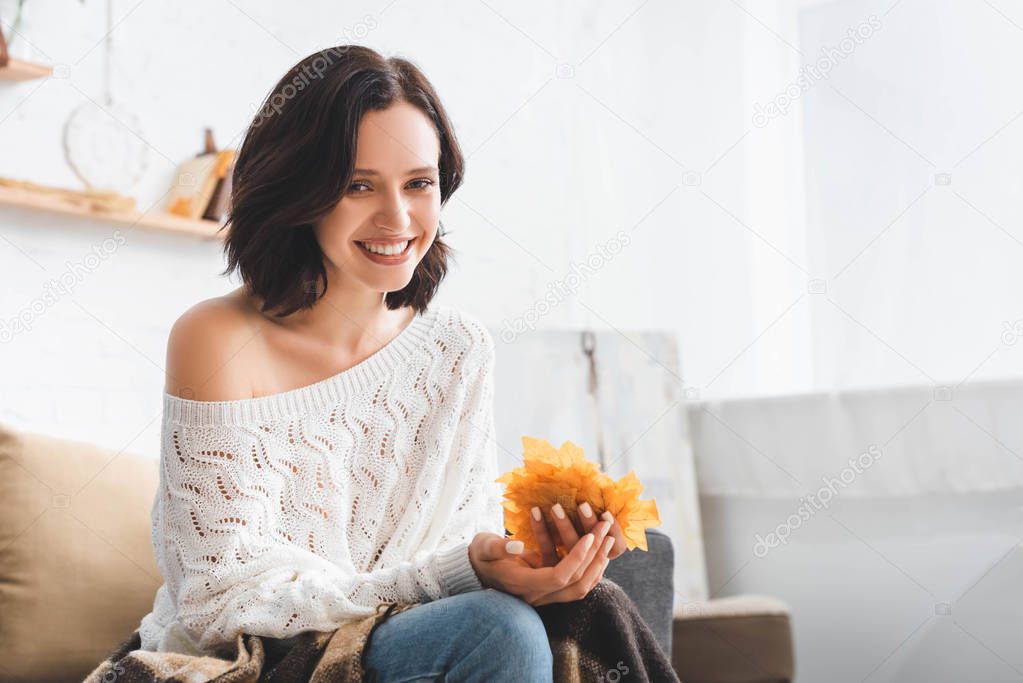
(297, 159)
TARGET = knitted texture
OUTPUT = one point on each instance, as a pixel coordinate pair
(306, 509)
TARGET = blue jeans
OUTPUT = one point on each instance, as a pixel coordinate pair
(483, 635)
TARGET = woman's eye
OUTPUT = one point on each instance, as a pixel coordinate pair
(421, 184)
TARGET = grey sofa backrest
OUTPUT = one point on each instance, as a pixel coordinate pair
(646, 577)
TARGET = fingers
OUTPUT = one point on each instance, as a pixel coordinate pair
(529, 582)
(562, 532)
(596, 569)
(586, 517)
(561, 574)
(599, 534)
(620, 545)
(590, 578)
(543, 537)
(591, 559)
(534, 578)
(566, 530)
(494, 547)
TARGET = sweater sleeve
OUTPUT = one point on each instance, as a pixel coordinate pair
(229, 567)
(474, 456)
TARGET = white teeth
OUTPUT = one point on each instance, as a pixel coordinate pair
(387, 250)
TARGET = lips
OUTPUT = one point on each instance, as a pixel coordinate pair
(376, 256)
(392, 240)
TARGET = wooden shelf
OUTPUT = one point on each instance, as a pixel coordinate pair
(17, 70)
(151, 220)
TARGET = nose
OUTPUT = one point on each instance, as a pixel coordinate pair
(394, 214)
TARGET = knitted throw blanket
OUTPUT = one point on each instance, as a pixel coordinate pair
(597, 639)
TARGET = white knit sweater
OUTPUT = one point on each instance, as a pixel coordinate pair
(303, 509)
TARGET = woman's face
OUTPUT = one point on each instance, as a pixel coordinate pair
(394, 197)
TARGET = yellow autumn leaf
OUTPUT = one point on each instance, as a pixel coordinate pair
(563, 475)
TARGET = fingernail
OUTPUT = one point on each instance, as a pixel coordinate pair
(559, 511)
(515, 547)
(608, 516)
(586, 510)
(608, 542)
(536, 513)
(588, 541)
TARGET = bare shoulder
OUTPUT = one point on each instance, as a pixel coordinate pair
(209, 351)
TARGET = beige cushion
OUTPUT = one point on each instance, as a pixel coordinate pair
(76, 564)
(738, 639)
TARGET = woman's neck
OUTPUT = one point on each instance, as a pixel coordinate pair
(340, 320)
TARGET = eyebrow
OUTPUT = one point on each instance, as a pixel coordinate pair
(371, 172)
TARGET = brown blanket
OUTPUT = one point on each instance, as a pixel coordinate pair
(599, 638)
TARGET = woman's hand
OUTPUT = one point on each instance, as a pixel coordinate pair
(499, 564)
(565, 534)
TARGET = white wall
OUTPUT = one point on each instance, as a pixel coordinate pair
(557, 166)
(913, 328)
(912, 186)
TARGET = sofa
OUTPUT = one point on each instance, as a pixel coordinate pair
(77, 574)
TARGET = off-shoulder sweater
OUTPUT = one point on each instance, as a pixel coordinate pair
(303, 509)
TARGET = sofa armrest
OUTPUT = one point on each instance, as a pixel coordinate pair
(739, 639)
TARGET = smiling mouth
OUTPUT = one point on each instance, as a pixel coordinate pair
(395, 255)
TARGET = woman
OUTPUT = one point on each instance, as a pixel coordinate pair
(328, 437)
